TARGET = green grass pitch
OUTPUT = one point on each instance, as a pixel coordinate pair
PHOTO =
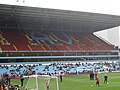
(81, 82)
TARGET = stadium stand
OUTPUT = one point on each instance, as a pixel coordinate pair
(46, 40)
(55, 68)
(27, 32)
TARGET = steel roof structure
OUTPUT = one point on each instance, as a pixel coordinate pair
(53, 19)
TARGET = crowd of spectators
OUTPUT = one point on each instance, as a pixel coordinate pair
(15, 70)
(6, 83)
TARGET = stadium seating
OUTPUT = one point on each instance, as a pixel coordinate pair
(21, 40)
(56, 68)
(17, 39)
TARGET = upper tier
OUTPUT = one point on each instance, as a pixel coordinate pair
(21, 40)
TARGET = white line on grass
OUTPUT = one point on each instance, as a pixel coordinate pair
(27, 83)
